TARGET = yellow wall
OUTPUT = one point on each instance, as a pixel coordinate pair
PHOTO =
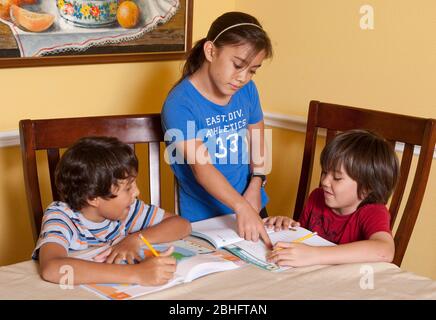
(320, 53)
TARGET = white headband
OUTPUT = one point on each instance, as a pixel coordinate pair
(237, 25)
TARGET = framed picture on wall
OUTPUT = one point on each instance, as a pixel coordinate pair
(65, 32)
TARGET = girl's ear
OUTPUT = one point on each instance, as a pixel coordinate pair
(209, 50)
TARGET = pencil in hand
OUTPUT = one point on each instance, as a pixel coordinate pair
(301, 239)
(148, 244)
(307, 236)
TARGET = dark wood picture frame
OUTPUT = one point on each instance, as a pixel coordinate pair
(145, 48)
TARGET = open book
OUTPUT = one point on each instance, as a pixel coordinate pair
(221, 233)
(193, 261)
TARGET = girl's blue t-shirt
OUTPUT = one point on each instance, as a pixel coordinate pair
(188, 115)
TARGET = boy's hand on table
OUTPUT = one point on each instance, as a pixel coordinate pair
(126, 250)
(280, 223)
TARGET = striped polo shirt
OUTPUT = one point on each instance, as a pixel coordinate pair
(70, 229)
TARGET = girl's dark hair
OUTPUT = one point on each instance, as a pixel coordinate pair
(368, 159)
(245, 34)
(90, 168)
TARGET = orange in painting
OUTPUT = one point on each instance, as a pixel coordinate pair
(5, 6)
(128, 14)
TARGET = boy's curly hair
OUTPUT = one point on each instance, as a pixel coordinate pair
(90, 167)
(368, 159)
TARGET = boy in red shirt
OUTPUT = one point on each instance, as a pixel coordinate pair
(359, 173)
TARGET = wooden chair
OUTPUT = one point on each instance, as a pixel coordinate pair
(412, 131)
(54, 134)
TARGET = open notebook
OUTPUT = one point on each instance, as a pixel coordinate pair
(193, 261)
(221, 233)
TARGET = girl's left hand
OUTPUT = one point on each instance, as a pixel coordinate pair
(293, 254)
(250, 225)
(127, 249)
(253, 197)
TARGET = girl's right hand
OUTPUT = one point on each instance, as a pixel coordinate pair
(250, 225)
(280, 223)
(156, 271)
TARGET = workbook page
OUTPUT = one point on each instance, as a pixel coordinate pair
(205, 264)
(220, 231)
(298, 234)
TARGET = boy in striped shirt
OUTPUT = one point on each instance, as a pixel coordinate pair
(96, 181)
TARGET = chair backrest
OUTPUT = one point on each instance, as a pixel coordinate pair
(412, 131)
(54, 134)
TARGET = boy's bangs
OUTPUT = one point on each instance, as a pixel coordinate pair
(332, 162)
(124, 173)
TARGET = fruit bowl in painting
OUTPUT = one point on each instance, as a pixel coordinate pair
(88, 13)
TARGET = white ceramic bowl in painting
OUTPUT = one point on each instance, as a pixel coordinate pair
(88, 13)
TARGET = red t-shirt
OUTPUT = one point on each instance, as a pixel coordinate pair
(359, 225)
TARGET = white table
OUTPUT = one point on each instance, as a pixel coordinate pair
(352, 281)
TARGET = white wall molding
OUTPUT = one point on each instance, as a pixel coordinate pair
(9, 138)
(298, 123)
(294, 123)
(275, 120)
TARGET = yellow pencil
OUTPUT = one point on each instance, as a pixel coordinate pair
(307, 236)
(156, 254)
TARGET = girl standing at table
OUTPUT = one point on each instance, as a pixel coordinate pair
(214, 124)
